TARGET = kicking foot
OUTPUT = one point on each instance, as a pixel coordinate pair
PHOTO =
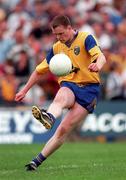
(43, 117)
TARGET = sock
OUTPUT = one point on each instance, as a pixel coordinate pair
(39, 159)
(52, 117)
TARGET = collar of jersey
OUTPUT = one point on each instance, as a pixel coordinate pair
(68, 43)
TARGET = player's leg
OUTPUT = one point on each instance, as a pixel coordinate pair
(72, 118)
(76, 114)
(63, 99)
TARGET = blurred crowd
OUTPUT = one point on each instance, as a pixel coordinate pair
(25, 38)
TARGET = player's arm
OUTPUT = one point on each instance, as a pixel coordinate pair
(42, 68)
(34, 78)
(98, 64)
(98, 59)
(101, 60)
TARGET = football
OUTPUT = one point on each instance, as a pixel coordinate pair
(60, 65)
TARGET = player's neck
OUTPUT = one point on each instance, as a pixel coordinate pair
(74, 34)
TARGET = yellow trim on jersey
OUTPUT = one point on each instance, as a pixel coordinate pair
(42, 67)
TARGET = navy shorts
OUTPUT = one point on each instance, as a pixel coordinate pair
(85, 95)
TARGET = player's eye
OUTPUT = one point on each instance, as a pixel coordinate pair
(60, 34)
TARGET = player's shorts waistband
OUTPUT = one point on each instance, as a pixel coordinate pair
(80, 84)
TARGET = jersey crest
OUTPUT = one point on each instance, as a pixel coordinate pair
(76, 50)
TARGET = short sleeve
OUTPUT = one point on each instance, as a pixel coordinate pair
(50, 54)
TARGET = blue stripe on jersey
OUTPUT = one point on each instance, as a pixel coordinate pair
(90, 42)
(50, 54)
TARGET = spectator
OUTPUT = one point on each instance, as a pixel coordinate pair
(39, 13)
(115, 83)
(22, 65)
(5, 44)
(8, 86)
(18, 17)
(25, 27)
(103, 38)
(34, 96)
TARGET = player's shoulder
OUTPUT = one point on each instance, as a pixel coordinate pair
(57, 44)
(88, 36)
(83, 33)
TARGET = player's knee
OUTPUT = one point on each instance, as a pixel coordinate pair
(59, 100)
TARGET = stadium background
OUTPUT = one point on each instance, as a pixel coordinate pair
(25, 38)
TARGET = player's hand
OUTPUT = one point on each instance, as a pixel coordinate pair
(19, 96)
(93, 67)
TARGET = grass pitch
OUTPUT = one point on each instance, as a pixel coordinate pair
(73, 161)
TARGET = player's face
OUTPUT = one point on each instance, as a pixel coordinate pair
(62, 33)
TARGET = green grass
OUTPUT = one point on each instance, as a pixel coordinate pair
(73, 161)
